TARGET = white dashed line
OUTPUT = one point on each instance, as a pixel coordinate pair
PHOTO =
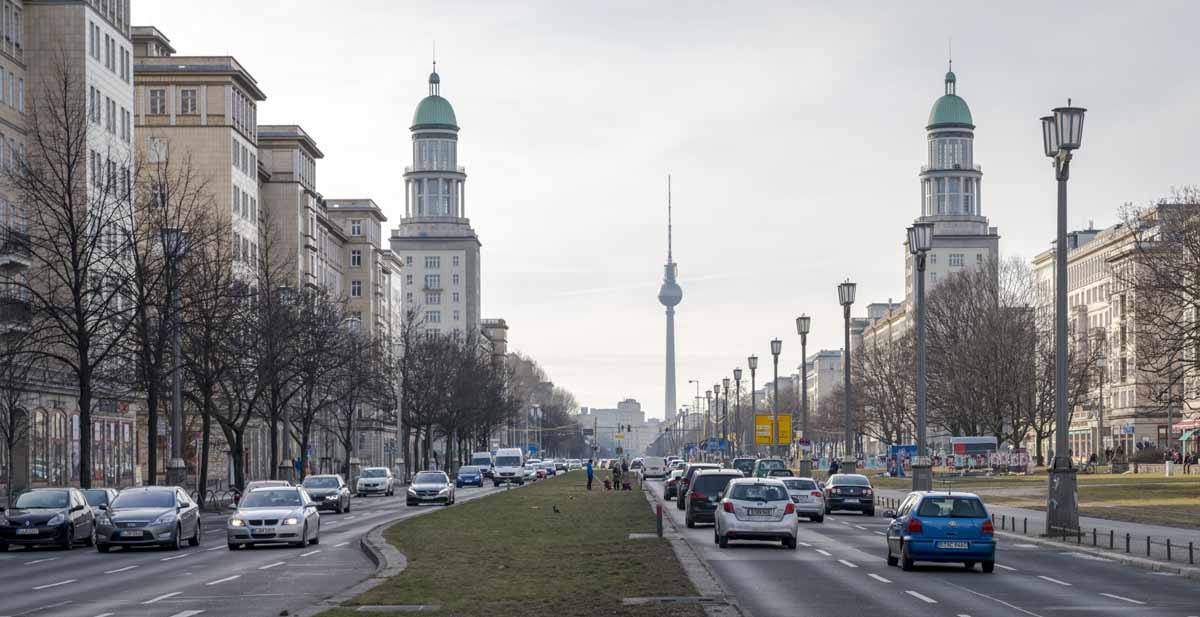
(187, 613)
(878, 578)
(920, 596)
(880, 533)
(846, 563)
(66, 582)
(1054, 580)
(215, 548)
(30, 563)
(340, 545)
(1004, 567)
(1025, 545)
(805, 544)
(105, 615)
(860, 527)
(162, 597)
(271, 565)
(310, 553)
(125, 569)
(1122, 598)
(963, 615)
(825, 553)
(175, 557)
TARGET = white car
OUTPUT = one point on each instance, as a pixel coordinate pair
(756, 509)
(274, 514)
(807, 495)
(509, 466)
(530, 473)
(377, 480)
(654, 467)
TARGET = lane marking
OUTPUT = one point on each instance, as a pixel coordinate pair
(66, 582)
(310, 553)
(996, 600)
(878, 578)
(1025, 545)
(125, 569)
(187, 613)
(42, 608)
(272, 565)
(105, 614)
(846, 563)
(860, 527)
(1123, 598)
(806, 544)
(963, 615)
(340, 545)
(224, 580)
(175, 557)
(1004, 567)
(1054, 580)
(825, 553)
(162, 597)
(880, 533)
(215, 548)
(920, 596)
(30, 563)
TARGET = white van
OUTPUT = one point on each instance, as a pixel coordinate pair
(483, 460)
(654, 467)
(509, 467)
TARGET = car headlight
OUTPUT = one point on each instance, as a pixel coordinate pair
(445, 490)
(412, 491)
(331, 497)
(237, 522)
(167, 517)
(57, 519)
(291, 521)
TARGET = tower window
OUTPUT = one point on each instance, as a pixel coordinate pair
(356, 227)
(355, 258)
(355, 289)
(433, 261)
(455, 261)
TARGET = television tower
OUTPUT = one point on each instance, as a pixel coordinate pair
(670, 295)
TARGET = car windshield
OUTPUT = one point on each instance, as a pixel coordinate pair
(144, 499)
(96, 496)
(481, 460)
(508, 461)
(846, 480)
(745, 465)
(951, 507)
(430, 477)
(374, 473)
(274, 498)
(759, 492)
(800, 485)
(712, 485)
(264, 483)
(779, 473)
(772, 464)
(43, 499)
(320, 482)
(467, 470)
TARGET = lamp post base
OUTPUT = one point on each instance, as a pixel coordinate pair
(849, 464)
(176, 472)
(287, 471)
(806, 467)
(1062, 504)
(922, 477)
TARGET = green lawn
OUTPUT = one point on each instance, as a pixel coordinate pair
(511, 554)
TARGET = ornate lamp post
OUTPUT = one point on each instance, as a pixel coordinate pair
(776, 347)
(920, 240)
(716, 428)
(752, 362)
(803, 324)
(174, 242)
(846, 298)
(1062, 133)
(737, 412)
(708, 394)
(725, 413)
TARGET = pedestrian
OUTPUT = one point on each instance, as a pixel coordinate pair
(833, 467)
(588, 467)
(616, 475)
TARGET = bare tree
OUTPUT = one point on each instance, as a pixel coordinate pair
(885, 385)
(17, 364)
(321, 352)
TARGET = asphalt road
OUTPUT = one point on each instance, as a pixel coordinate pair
(839, 570)
(208, 580)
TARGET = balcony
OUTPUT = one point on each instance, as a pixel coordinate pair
(14, 248)
(15, 311)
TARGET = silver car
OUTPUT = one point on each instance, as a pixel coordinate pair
(149, 516)
(756, 509)
(276, 514)
(431, 487)
(375, 480)
(807, 495)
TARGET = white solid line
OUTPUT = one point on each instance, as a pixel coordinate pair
(1004, 567)
(340, 545)
(224, 580)
(993, 599)
(271, 565)
(1054, 580)
(66, 582)
(125, 569)
(881, 533)
(805, 544)
(1116, 597)
(162, 597)
(310, 553)
(878, 578)
(825, 553)
(963, 615)
(860, 527)
(105, 615)
(215, 548)
(30, 563)
(920, 596)
(846, 563)
(187, 613)
(175, 557)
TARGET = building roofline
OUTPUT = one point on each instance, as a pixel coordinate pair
(289, 132)
(199, 65)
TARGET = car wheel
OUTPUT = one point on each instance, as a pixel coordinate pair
(870, 512)
(195, 539)
(906, 562)
(722, 542)
(716, 536)
(177, 541)
(3, 548)
(316, 539)
(103, 548)
(791, 543)
(687, 520)
(90, 540)
(678, 505)
(337, 508)
(303, 542)
(827, 510)
(347, 505)
(234, 547)
(68, 540)
(989, 567)
(820, 518)
(968, 564)
(410, 503)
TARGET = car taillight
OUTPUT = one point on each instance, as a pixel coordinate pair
(697, 495)
(914, 525)
(988, 528)
(817, 494)
(727, 506)
(790, 508)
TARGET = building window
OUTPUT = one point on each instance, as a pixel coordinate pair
(355, 289)
(456, 279)
(433, 261)
(408, 260)
(433, 281)
(187, 101)
(956, 260)
(456, 261)
(457, 315)
(408, 280)
(408, 297)
(433, 316)
(433, 298)
(1124, 369)
(355, 258)
(979, 259)
(455, 297)
(158, 101)
(237, 201)
(356, 227)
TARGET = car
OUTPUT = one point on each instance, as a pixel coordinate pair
(704, 493)
(672, 483)
(329, 491)
(756, 509)
(469, 474)
(744, 465)
(849, 491)
(764, 465)
(780, 473)
(58, 516)
(265, 484)
(149, 516)
(573, 464)
(531, 474)
(806, 494)
(941, 527)
(677, 464)
(274, 514)
(560, 465)
(654, 467)
(551, 469)
(375, 480)
(99, 498)
(482, 460)
(681, 487)
(509, 466)
(431, 487)
(636, 465)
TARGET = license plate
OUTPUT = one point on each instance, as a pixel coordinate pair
(760, 511)
(27, 532)
(953, 545)
(264, 530)
(800, 498)
(131, 534)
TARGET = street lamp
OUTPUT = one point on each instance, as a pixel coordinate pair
(920, 240)
(716, 410)
(846, 298)
(803, 324)
(776, 347)
(1102, 366)
(707, 413)
(737, 409)
(1062, 133)
(725, 412)
(174, 244)
(752, 362)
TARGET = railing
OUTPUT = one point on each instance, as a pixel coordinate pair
(13, 242)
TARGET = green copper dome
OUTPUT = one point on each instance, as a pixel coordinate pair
(950, 109)
(434, 110)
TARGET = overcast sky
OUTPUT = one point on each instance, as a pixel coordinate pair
(794, 133)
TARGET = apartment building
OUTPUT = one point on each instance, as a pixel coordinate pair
(372, 286)
(824, 374)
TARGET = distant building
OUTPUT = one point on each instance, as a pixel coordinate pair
(610, 432)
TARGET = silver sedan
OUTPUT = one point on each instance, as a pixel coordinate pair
(149, 516)
(276, 514)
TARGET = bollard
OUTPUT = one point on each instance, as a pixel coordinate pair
(1078, 536)
(1025, 529)
(658, 518)
(1127, 543)
(1003, 521)
(1191, 555)
(1147, 546)
(1168, 549)
(1111, 536)
(1093, 536)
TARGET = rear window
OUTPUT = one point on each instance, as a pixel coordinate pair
(951, 507)
(744, 465)
(508, 461)
(800, 485)
(772, 464)
(847, 480)
(759, 492)
(712, 484)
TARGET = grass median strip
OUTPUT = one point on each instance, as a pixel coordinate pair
(551, 548)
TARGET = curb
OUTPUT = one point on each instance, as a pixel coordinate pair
(1121, 558)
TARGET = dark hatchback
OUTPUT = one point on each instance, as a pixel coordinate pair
(705, 493)
(329, 492)
(58, 516)
(469, 475)
(744, 465)
(685, 481)
(849, 491)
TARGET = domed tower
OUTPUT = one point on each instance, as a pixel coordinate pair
(670, 295)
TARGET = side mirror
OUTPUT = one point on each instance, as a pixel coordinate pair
(179, 508)
(76, 508)
(889, 514)
(102, 507)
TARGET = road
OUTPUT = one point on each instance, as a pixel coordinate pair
(207, 581)
(839, 570)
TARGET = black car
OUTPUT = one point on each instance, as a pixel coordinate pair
(99, 498)
(849, 491)
(744, 465)
(329, 492)
(58, 516)
(681, 487)
(704, 494)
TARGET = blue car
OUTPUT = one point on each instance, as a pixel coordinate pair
(941, 527)
(468, 476)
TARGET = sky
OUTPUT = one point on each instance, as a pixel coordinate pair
(793, 132)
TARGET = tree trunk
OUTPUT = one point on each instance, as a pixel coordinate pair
(205, 434)
(274, 472)
(85, 422)
(304, 450)
(152, 433)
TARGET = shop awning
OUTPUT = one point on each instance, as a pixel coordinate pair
(1189, 434)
